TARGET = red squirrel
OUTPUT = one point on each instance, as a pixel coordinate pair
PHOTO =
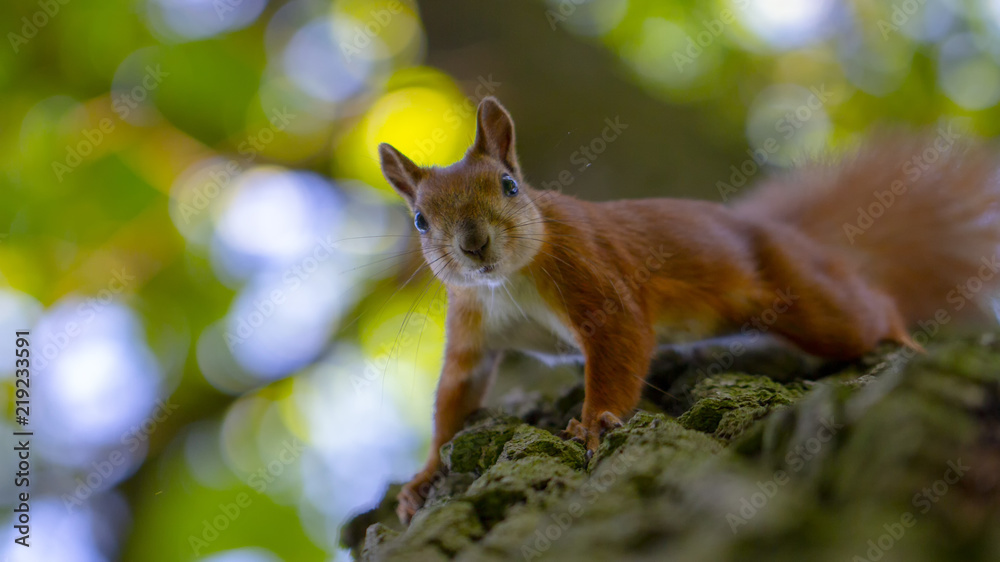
(541, 271)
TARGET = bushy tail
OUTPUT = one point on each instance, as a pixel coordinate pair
(919, 215)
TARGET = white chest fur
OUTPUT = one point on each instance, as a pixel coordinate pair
(516, 317)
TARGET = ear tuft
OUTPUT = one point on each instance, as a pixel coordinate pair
(400, 172)
(495, 133)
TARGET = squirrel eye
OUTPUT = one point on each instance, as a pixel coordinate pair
(509, 185)
(420, 222)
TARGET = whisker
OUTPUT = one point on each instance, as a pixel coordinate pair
(610, 281)
(522, 206)
(558, 288)
(542, 221)
(387, 258)
(378, 316)
(413, 236)
(651, 385)
(416, 355)
(525, 205)
(512, 299)
(587, 264)
(518, 238)
(395, 343)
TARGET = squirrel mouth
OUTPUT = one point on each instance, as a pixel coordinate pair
(487, 268)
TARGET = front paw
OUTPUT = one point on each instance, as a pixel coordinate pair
(412, 496)
(590, 431)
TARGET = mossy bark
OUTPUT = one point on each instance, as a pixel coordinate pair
(889, 459)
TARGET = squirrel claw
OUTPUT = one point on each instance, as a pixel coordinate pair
(408, 505)
(575, 431)
(590, 434)
(410, 498)
(609, 421)
(589, 437)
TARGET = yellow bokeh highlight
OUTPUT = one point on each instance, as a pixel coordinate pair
(20, 269)
(393, 24)
(405, 336)
(280, 133)
(426, 117)
(283, 394)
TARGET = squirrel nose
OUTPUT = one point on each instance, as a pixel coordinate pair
(474, 242)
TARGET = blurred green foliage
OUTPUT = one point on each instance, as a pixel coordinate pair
(112, 110)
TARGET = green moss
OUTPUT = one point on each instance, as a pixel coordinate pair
(530, 441)
(976, 358)
(535, 480)
(828, 466)
(727, 405)
(376, 538)
(477, 447)
(424, 553)
(520, 522)
(649, 446)
(450, 527)
(706, 414)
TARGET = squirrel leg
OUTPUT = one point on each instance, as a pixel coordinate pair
(461, 388)
(616, 368)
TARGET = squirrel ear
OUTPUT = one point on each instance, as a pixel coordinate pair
(401, 172)
(495, 133)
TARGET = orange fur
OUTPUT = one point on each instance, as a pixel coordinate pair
(939, 199)
(613, 279)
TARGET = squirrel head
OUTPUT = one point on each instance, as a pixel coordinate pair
(477, 220)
